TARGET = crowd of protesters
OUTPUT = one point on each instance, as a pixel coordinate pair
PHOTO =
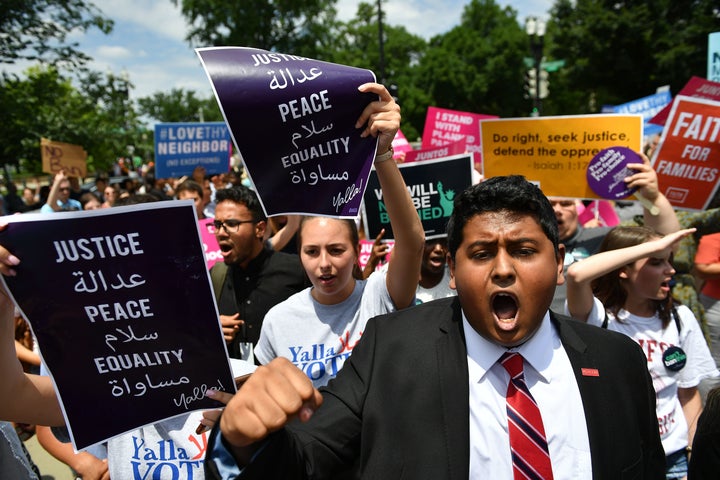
(319, 272)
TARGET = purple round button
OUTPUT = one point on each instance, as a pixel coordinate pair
(607, 169)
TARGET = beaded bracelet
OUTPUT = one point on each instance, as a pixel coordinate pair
(385, 156)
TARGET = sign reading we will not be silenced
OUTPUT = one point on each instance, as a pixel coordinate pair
(120, 302)
(433, 185)
(293, 121)
(555, 151)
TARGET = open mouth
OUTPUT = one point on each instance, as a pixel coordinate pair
(437, 261)
(504, 306)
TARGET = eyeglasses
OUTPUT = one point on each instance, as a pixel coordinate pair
(64, 189)
(230, 225)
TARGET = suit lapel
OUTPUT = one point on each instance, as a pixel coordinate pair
(454, 393)
(593, 389)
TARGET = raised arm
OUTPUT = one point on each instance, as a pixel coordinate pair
(382, 120)
(378, 252)
(661, 215)
(282, 237)
(24, 398)
(581, 274)
(55, 190)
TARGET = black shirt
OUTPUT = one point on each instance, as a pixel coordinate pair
(269, 279)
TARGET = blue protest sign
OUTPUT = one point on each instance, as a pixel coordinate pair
(648, 106)
(180, 147)
(293, 121)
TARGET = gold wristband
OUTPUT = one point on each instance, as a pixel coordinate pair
(385, 156)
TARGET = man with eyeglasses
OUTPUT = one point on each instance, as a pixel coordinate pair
(252, 277)
(581, 242)
(59, 199)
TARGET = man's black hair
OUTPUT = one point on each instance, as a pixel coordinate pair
(512, 194)
(243, 195)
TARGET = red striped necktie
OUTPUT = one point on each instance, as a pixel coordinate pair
(528, 444)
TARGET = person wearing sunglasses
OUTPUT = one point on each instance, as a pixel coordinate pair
(59, 199)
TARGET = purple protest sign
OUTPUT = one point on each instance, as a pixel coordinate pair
(121, 304)
(293, 121)
(607, 170)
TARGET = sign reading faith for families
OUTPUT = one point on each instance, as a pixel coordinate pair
(432, 184)
(554, 152)
(687, 161)
(293, 121)
(121, 305)
(180, 147)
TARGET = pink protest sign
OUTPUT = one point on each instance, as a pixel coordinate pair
(696, 87)
(366, 247)
(443, 126)
(210, 244)
(601, 211)
(400, 145)
(455, 148)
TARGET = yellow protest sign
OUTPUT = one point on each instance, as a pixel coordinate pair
(554, 151)
(58, 156)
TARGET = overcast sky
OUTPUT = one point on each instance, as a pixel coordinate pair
(148, 39)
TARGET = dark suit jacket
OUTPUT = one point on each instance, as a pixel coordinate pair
(400, 403)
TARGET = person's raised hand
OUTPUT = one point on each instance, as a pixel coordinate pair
(8, 261)
(381, 118)
(644, 179)
(273, 395)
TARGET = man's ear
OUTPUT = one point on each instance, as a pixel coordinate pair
(623, 273)
(260, 228)
(451, 269)
(560, 264)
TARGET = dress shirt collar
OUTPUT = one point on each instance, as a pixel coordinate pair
(537, 351)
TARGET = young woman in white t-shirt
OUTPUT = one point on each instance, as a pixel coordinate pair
(318, 327)
(626, 287)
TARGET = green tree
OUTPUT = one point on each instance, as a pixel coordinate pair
(299, 27)
(358, 45)
(616, 52)
(478, 65)
(179, 106)
(40, 30)
(97, 116)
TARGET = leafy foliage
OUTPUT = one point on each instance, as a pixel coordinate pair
(614, 52)
(38, 30)
(46, 104)
(179, 106)
(301, 27)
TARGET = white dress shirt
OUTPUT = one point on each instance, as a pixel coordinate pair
(551, 381)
